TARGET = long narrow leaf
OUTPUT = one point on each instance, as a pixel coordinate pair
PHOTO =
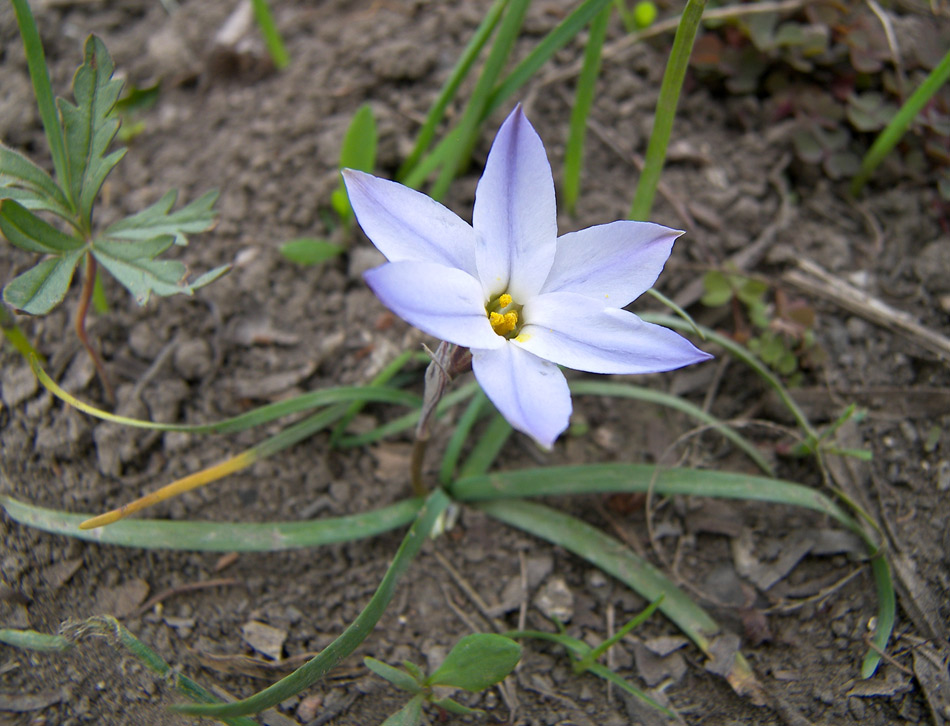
(666, 109)
(347, 642)
(618, 477)
(898, 125)
(158, 220)
(602, 478)
(39, 75)
(262, 415)
(583, 99)
(460, 434)
(217, 536)
(560, 36)
(487, 448)
(463, 137)
(626, 390)
(409, 420)
(746, 357)
(270, 33)
(451, 86)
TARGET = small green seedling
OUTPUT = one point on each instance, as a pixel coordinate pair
(477, 662)
(780, 333)
(79, 136)
(358, 152)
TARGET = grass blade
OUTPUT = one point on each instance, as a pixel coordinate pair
(487, 448)
(583, 99)
(603, 478)
(746, 357)
(626, 390)
(409, 420)
(264, 414)
(560, 36)
(276, 443)
(462, 138)
(452, 84)
(39, 76)
(347, 642)
(460, 434)
(898, 125)
(666, 109)
(272, 39)
(217, 536)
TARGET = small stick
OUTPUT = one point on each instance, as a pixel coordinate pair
(815, 280)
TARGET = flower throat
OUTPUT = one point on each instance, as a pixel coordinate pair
(504, 316)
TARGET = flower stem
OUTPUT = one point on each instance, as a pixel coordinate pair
(88, 284)
(666, 109)
(447, 361)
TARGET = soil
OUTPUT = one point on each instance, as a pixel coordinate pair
(270, 142)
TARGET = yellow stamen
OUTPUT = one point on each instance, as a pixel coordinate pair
(504, 300)
(503, 324)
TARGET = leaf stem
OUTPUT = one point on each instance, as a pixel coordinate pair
(88, 285)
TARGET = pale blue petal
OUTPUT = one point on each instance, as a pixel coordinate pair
(531, 393)
(515, 216)
(578, 332)
(407, 225)
(441, 301)
(614, 263)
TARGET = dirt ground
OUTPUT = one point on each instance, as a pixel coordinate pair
(270, 142)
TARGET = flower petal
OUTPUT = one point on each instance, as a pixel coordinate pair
(407, 225)
(575, 331)
(614, 263)
(531, 393)
(441, 301)
(515, 215)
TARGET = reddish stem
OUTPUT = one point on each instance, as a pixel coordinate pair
(88, 283)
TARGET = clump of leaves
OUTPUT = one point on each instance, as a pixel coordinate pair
(779, 331)
(477, 662)
(358, 152)
(80, 135)
(830, 67)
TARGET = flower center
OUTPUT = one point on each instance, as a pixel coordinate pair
(503, 314)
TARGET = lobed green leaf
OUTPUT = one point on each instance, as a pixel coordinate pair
(25, 230)
(41, 288)
(133, 264)
(29, 184)
(90, 125)
(159, 221)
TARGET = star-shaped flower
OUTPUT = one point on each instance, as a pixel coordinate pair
(523, 299)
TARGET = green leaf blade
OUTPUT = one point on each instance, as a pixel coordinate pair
(23, 180)
(25, 230)
(90, 125)
(133, 265)
(42, 288)
(310, 251)
(477, 662)
(158, 220)
(398, 677)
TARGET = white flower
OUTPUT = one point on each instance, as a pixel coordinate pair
(523, 299)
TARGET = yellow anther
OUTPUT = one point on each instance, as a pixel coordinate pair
(504, 300)
(503, 324)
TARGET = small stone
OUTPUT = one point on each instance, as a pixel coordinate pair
(264, 638)
(18, 384)
(193, 359)
(942, 475)
(556, 600)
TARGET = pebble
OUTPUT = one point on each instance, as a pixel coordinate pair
(18, 384)
(193, 359)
